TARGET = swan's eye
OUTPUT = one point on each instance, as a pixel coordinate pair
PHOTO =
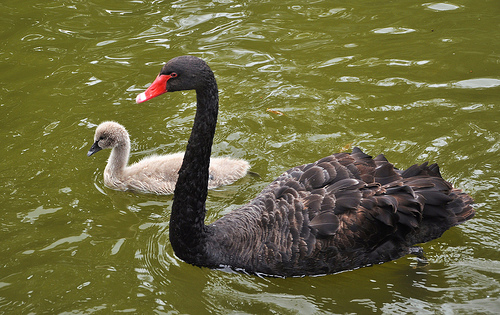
(173, 75)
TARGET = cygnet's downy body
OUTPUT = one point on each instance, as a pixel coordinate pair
(155, 174)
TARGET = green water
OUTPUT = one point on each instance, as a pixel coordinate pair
(416, 80)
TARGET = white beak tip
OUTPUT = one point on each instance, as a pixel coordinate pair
(141, 98)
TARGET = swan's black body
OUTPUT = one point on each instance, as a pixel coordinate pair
(342, 212)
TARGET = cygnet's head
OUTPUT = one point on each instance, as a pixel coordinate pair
(109, 134)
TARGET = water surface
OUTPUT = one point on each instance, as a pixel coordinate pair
(417, 81)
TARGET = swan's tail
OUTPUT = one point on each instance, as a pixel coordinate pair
(461, 206)
(441, 205)
(441, 199)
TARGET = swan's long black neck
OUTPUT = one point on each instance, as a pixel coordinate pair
(187, 228)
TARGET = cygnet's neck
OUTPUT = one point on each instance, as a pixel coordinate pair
(118, 159)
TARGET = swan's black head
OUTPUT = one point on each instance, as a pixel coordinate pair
(180, 73)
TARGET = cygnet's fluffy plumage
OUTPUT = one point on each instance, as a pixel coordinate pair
(156, 174)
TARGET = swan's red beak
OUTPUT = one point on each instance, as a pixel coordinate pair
(158, 87)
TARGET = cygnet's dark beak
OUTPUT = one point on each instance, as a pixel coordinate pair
(95, 148)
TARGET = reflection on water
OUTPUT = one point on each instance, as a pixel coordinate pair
(297, 82)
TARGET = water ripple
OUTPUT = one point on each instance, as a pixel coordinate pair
(477, 83)
(441, 6)
(393, 30)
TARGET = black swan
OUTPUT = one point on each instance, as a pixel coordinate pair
(342, 212)
(155, 174)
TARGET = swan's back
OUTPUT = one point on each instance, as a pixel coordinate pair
(159, 173)
(153, 174)
(341, 212)
(225, 171)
